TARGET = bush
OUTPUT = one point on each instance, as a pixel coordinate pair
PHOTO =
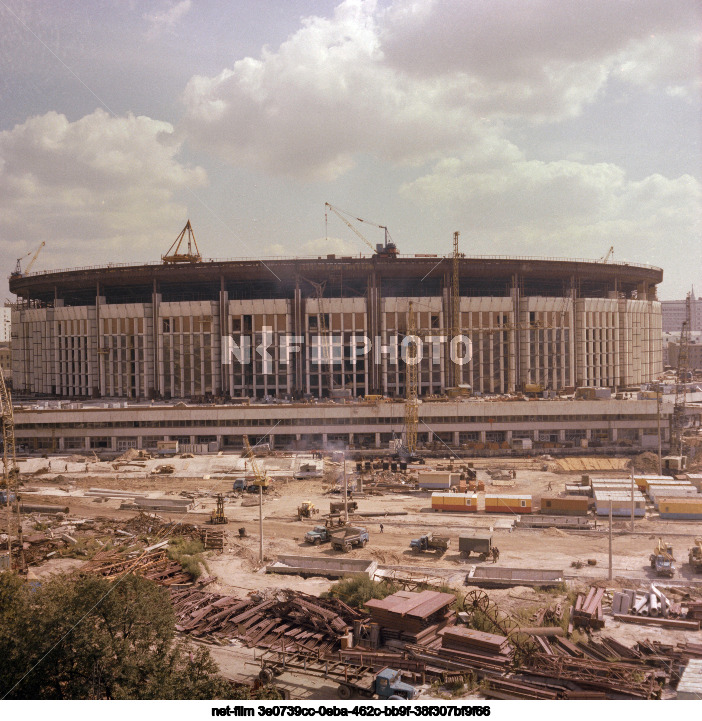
(355, 591)
(189, 553)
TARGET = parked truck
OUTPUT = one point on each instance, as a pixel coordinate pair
(349, 537)
(695, 555)
(318, 535)
(430, 542)
(479, 543)
(338, 506)
(354, 680)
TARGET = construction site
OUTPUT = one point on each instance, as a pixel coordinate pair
(521, 525)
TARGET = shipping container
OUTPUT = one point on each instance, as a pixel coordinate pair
(565, 505)
(680, 508)
(656, 493)
(507, 503)
(455, 502)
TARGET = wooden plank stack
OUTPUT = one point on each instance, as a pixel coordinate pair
(460, 638)
(412, 617)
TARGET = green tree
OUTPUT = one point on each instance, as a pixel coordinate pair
(81, 637)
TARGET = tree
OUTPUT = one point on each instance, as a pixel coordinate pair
(82, 637)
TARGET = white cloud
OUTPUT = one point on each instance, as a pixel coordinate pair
(98, 183)
(564, 208)
(408, 83)
(165, 20)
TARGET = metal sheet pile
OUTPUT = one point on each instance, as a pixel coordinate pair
(587, 611)
(290, 621)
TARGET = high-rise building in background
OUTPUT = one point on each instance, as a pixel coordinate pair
(674, 314)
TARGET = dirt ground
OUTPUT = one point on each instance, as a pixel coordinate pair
(239, 571)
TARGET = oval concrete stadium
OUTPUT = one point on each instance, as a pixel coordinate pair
(333, 326)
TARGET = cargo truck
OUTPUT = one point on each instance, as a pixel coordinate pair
(480, 544)
(430, 542)
(349, 537)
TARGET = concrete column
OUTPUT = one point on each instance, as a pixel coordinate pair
(87, 443)
(613, 434)
(377, 440)
(456, 439)
(561, 436)
(113, 443)
(140, 442)
(535, 437)
(508, 436)
(483, 436)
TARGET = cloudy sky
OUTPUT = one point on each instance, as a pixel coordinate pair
(534, 127)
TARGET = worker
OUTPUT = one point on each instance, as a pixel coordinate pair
(381, 527)
(549, 485)
(495, 554)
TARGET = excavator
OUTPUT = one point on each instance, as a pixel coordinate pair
(662, 559)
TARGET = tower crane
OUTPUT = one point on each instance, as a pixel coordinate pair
(411, 389)
(386, 250)
(18, 268)
(677, 421)
(10, 471)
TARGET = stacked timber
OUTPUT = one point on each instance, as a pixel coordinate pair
(459, 638)
(412, 617)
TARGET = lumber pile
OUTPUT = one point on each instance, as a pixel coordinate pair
(460, 638)
(152, 564)
(412, 617)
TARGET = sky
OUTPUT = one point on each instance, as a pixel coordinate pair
(535, 128)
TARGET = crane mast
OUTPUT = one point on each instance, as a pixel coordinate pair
(411, 390)
(677, 425)
(9, 461)
(455, 308)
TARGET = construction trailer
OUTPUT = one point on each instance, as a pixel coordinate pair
(455, 502)
(620, 502)
(565, 505)
(507, 503)
(642, 480)
(438, 480)
(661, 492)
(688, 509)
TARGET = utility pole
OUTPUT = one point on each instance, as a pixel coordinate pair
(346, 493)
(260, 523)
(610, 538)
(632, 496)
(659, 394)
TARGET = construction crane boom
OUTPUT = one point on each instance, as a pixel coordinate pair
(18, 268)
(607, 256)
(387, 250)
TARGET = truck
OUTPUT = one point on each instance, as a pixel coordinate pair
(662, 559)
(479, 543)
(338, 506)
(318, 535)
(695, 555)
(430, 542)
(353, 680)
(346, 538)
